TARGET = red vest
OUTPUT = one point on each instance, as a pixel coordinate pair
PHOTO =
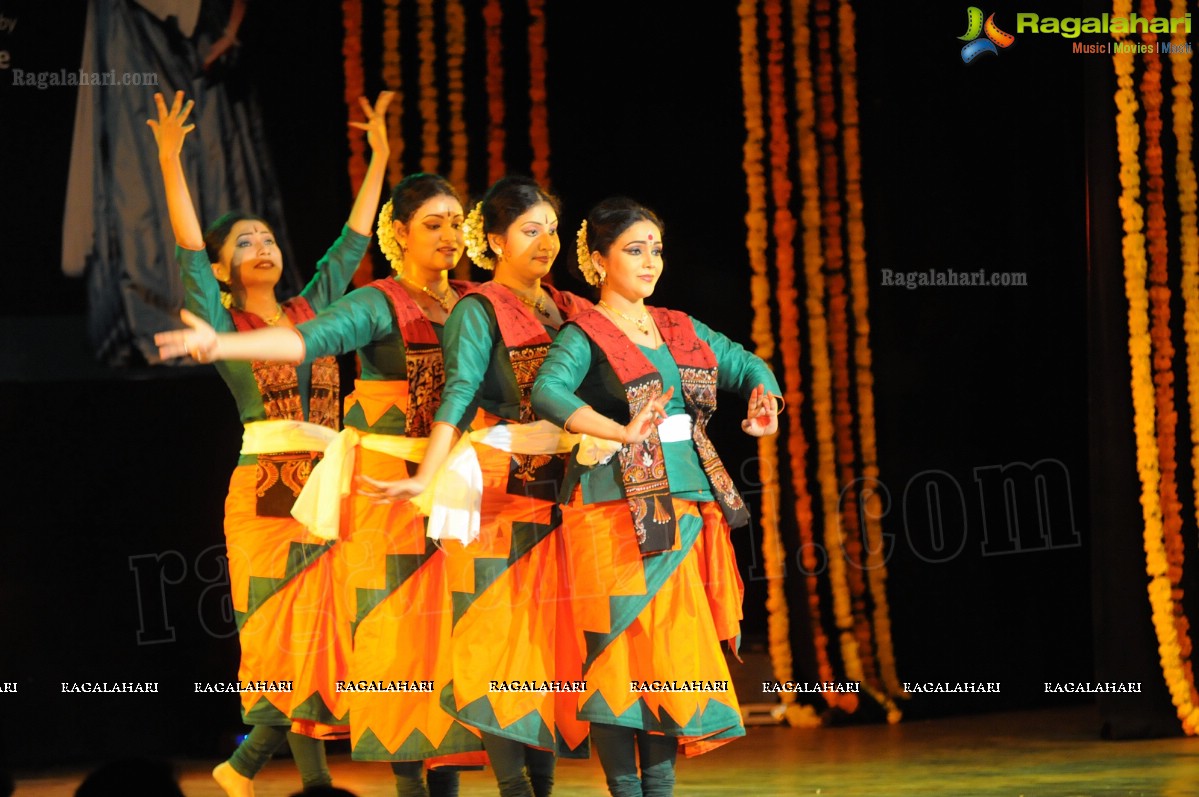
(279, 383)
(527, 343)
(424, 362)
(642, 466)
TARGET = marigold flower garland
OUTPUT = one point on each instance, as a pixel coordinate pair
(455, 49)
(539, 134)
(839, 546)
(1163, 347)
(496, 134)
(817, 332)
(1183, 115)
(430, 154)
(351, 52)
(393, 79)
(778, 622)
(1139, 348)
(869, 501)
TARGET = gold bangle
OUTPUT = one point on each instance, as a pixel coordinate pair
(782, 403)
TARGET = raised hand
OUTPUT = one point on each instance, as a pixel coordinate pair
(762, 415)
(376, 122)
(200, 342)
(652, 414)
(169, 128)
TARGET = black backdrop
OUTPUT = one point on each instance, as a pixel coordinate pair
(115, 480)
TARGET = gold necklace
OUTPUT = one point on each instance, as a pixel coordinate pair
(642, 322)
(442, 299)
(270, 322)
(537, 304)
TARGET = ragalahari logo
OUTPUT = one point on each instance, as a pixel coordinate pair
(975, 27)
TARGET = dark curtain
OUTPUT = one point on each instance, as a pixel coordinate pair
(116, 232)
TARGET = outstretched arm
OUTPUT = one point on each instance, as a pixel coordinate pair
(204, 344)
(169, 131)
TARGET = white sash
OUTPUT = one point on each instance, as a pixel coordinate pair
(318, 506)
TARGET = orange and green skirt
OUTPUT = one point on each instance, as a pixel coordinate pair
(400, 618)
(283, 586)
(513, 648)
(649, 628)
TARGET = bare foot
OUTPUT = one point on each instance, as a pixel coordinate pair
(234, 784)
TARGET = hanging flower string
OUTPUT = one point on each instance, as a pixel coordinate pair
(355, 87)
(817, 330)
(778, 622)
(834, 537)
(393, 80)
(869, 501)
(496, 135)
(1139, 349)
(1183, 116)
(455, 49)
(539, 134)
(430, 155)
(1163, 347)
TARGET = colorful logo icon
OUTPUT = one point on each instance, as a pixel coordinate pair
(975, 27)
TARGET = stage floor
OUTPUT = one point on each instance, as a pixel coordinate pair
(1052, 753)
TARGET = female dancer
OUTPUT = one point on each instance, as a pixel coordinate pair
(654, 585)
(505, 582)
(280, 575)
(394, 583)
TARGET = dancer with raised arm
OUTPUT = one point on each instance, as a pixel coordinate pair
(280, 575)
(393, 583)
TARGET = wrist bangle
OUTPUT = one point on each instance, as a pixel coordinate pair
(782, 403)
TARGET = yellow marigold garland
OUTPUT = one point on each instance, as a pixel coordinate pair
(394, 81)
(430, 160)
(778, 624)
(539, 134)
(1139, 349)
(876, 569)
(1163, 347)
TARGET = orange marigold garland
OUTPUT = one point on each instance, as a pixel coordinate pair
(539, 134)
(1163, 347)
(1139, 348)
(430, 160)
(393, 80)
(496, 135)
(455, 48)
(837, 546)
(817, 335)
(1183, 115)
(355, 87)
(778, 623)
(869, 501)
(787, 298)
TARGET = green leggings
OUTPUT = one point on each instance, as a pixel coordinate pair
(264, 740)
(409, 781)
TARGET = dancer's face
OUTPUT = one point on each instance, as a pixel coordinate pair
(432, 238)
(633, 263)
(249, 257)
(530, 243)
